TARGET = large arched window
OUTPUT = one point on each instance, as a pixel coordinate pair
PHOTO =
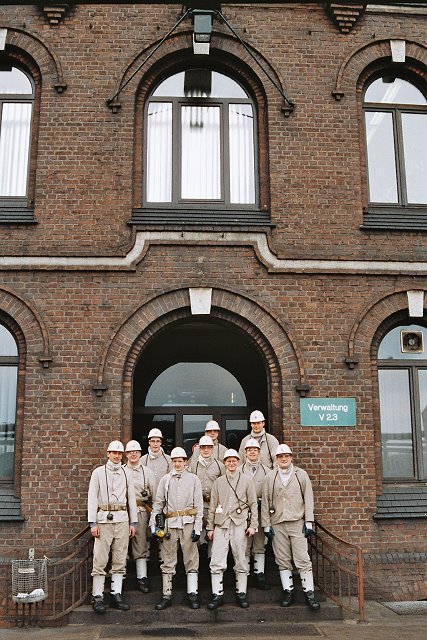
(396, 133)
(8, 391)
(402, 375)
(200, 142)
(16, 110)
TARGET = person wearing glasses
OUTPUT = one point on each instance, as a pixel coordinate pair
(232, 519)
(287, 515)
(144, 483)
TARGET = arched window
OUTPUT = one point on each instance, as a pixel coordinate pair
(396, 134)
(200, 142)
(8, 391)
(16, 111)
(402, 375)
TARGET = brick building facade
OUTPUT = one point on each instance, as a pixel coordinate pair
(298, 273)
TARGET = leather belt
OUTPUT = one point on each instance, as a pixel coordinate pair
(183, 512)
(144, 504)
(112, 507)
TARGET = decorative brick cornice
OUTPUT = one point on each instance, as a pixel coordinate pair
(54, 12)
(346, 14)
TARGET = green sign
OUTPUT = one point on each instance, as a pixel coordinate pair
(328, 412)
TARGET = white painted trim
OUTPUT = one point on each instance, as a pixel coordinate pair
(200, 300)
(3, 34)
(398, 50)
(257, 239)
(415, 303)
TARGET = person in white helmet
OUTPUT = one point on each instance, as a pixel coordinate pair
(257, 471)
(144, 483)
(207, 468)
(232, 518)
(179, 501)
(112, 518)
(212, 429)
(155, 458)
(287, 516)
(268, 443)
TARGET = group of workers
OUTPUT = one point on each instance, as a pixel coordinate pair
(219, 499)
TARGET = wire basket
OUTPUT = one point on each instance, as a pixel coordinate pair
(29, 580)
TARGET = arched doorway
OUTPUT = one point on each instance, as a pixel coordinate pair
(193, 371)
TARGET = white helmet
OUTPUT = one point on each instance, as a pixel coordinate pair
(155, 433)
(256, 416)
(178, 452)
(283, 448)
(116, 445)
(206, 441)
(231, 453)
(212, 425)
(133, 445)
(252, 443)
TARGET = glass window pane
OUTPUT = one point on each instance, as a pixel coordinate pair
(397, 92)
(200, 153)
(192, 428)
(390, 347)
(159, 152)
(15, 82)
(414, 127)
(242, 170)
(221, 86)
(14, 148)
(197, 384)
(381, 158)
(7, 343)
(235, 430)
(8, 382)
(396, 424)
(422, 381)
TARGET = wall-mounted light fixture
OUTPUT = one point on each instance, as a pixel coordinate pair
(202, 20)
(202, 30)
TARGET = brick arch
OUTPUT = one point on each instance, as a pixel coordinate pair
(227, 55)
(44, 56)
(360, 58)
(364, 332)
(25, 316)
(278, 348)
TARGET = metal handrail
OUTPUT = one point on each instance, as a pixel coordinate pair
(338, 569)
(69, 576)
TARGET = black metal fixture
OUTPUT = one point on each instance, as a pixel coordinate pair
(202, 20)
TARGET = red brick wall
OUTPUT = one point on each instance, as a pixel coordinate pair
(84, 192)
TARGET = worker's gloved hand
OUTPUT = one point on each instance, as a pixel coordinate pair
(269, 533)
(308, 530)
(195, 536)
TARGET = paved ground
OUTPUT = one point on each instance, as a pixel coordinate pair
(381, 624)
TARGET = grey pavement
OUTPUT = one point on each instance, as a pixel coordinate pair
(381, 624)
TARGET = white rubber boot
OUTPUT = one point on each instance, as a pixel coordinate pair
(288, 586)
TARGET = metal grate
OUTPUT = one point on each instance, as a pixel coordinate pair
(29, 580)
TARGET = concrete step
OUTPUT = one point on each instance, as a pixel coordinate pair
(263, 606)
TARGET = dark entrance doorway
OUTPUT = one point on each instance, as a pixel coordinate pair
(194, 371)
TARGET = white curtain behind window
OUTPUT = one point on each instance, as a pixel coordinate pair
(159, 152)
(14, 148)
(200, 153)
(242, 170)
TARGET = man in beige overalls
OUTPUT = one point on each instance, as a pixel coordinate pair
(232, 518)
(112, 518)
(179, 501)
(267, 442)
(287, 515)
(144, 483)
(257, 471)
(207, 468)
